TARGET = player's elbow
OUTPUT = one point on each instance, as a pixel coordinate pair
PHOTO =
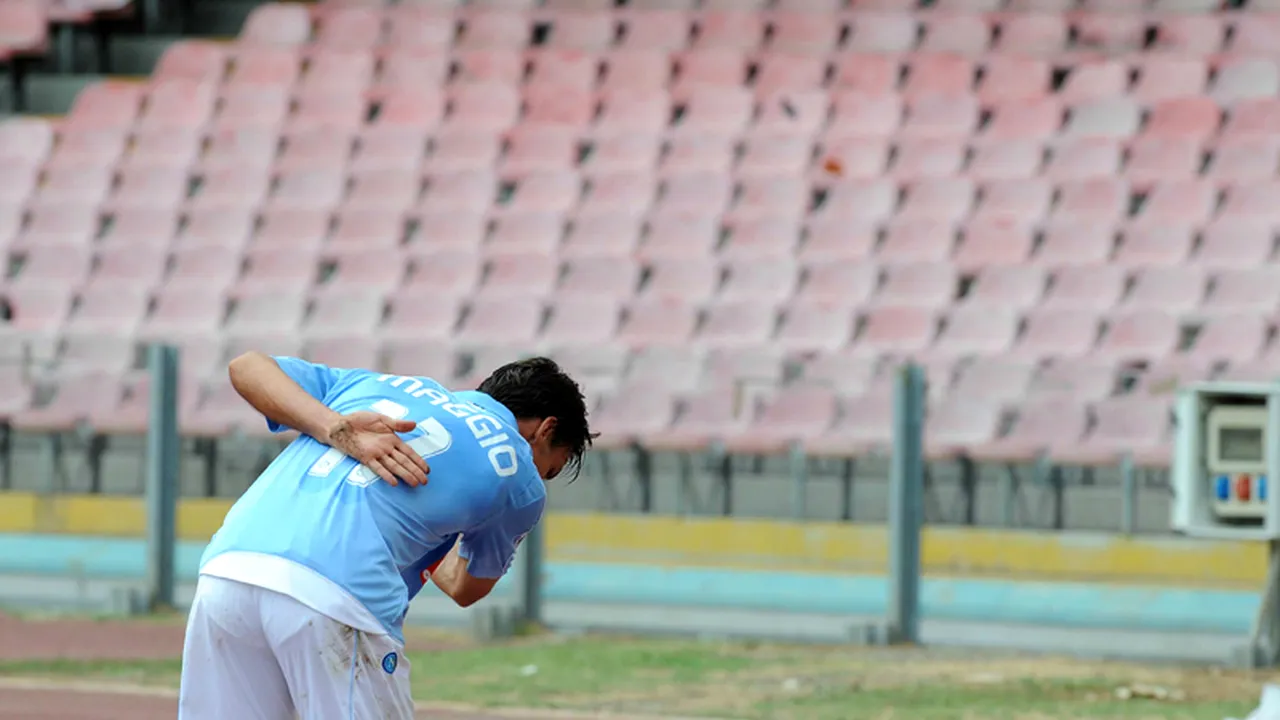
(242, 366)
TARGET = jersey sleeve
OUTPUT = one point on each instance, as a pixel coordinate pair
(490, 548)
(314, 378)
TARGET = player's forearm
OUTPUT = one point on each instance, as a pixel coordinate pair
(453, 580)
(266, 387)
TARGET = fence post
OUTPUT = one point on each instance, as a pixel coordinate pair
(531, 572)
(906, 489)
(162, 474)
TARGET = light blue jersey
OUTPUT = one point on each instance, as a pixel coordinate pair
(320, 509)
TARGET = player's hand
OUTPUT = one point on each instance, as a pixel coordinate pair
(371, 439)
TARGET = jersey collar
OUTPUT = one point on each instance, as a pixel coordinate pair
(475, 397)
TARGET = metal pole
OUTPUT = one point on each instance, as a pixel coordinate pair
(906, 490)
(162, 474)
(533, 549)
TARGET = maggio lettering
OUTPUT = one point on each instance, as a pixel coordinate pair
(485, 428)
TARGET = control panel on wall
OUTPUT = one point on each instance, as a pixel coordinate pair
(1236, 462)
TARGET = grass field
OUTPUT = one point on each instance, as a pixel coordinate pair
(752, 680)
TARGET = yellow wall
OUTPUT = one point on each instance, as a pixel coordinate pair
(722, 542)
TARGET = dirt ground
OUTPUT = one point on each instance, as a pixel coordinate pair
(75, 639)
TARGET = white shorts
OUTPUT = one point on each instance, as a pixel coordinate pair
(254, 654)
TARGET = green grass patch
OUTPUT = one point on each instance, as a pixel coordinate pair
(766, 681)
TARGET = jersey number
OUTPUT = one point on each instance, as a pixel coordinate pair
(434, 440)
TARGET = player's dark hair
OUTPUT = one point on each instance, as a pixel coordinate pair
(537, 388)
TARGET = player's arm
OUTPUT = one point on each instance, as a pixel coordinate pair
(480, 558)
(280, 398)
(289, 392)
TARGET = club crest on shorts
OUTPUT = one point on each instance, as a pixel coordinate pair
(389, 662)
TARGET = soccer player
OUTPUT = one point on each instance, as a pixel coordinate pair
(303, 591)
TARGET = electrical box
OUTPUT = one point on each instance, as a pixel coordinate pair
(1226, 449)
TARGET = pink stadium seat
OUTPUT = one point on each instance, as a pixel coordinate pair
(484, 106)
(130, 265)
(495, 29)
(354, 313)
(211, 266)
(844, 283)
(404, 68)
(150, 187)
(737, 323)
(383, 148)
(860, 115)
(664, 321)
(788, 73)
(586, 31)
(1253, 201)
(1068, 242)
(529, 233)
(683, 279)
(184, 310)
(277, 24)
(1255, 117)
(463, 190)
(917, 240)
(1033, 34)
(25, 138)
(623, 152)
(673, 235)
(418, 27)
(772, 155)
(55, 228)
(364, 229)
(1124, 425)
(766, 280)
(1245, 79)
(1153, 160)
(961, 33)
(896, 330)
(927, 286)
(772, 236)
(848, 374)
(936, 116)
(655, 29)
(266, 312)
(833, 238)
(1253, 290)
(459, 150)
(1178, 202)
(170, 147)
(406, 322)
(1086, 287)
(384, 189)
(1053, 332)
(975, 330)
(154, 227)
(1162, 79)
(224, 227)
(957, 425)
(314, 149)
(1012, 286)
(1076, 160)
(440, 230)
(698, 153)
(1015, 202)
(633, 412)
(231, 188)
(629, 192)
(559, 105)
(199, 60)
(993, 381)
(108, 310)
(864, 424)
(714, 109)
(1020, 120)
(729, 31)
(39, 307)
(1118, 117)
(789, 417)
(1230, 245)
(1229, 337)
(928, 159)
(74, 399)
(778, 195)
(599, 277)
(1195, 118)
(707, 416)
(1038, 427)
(298, 230)
(1243, 159)
(82, 186)
(359, 270)
(344, 352)
(867, 74)
(548, 191)
(990, 243)
(103, 105)
(676, 368)
(1110, 34)
(349, 28)
(1171, 289)
(270, 269)
(1139, 336)
(1154, 243)
(858, 202)
(602, 234)
(937, 72)
(540, 147)
(264, 67)
(644, 71)
(882, 32)
(178, 103)
(240, 148)
(1093, 200)
(530, 275)
(803, 33)
(1164, 377)
(1008, 78)
(1193, 35)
